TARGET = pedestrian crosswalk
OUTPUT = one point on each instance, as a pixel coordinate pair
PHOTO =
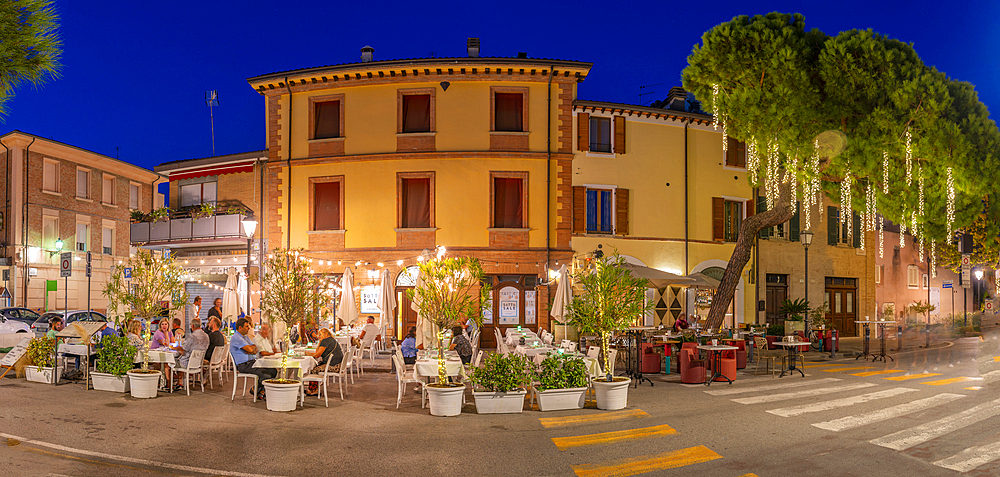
(889, 400)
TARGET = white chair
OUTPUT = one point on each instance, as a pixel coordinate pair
(194, 366)
(341, 376)
(358, 355)
(499, 338)
(593, 351)
(246, 376)
(402, 380)
(368, 346)
(321, 377)
(217, 363)
(478, 360)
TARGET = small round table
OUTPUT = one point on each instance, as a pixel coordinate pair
(881, 328)
(793, 350)
(716, 351)
(865, 350)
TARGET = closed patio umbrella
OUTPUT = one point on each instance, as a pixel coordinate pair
(426, 331)
(230, 298)
(242, 289)
(348, 309)
(564, 295)
(386, 301)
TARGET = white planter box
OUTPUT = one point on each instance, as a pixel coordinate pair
(40, 375)
(445, 401)
(109, 382)
(612, 396)
(499, 403)
(561, 399)
(281, 397)
(143, 385)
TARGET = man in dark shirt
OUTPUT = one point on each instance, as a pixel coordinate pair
(215, 337)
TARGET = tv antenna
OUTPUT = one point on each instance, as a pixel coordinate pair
(644, 93)
(212, 99)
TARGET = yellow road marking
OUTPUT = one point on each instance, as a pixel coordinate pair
(810, 365)
(592, 418)
(974, 388)
(876, 373)
(912, 376)
(942, 382)
(564, 443)
(751, 474)
(641, 465)
(855, 368)
(996, 359)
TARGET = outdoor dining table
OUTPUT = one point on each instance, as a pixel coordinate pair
(716, 351)
(163, 355)
(531, 351)
(428, 367)
(793, 350)
(881, 331)
(302, 364)
(865, 349)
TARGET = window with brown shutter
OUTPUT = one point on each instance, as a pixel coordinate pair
(416, 113)
(600, 134)
(621, 211)
(327, 120)
(583, 131)
(416, 202)
(508, 111)
(579, 209)
(736, 153)
(718, 219)
(619, 135)
(509, 201)
(326, 199)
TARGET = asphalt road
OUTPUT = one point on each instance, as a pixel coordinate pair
(846, 417)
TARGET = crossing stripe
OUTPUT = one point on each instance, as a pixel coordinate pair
(805, 393)
(592, 418)
(751, 474)
(971, 458)
(876, 373)
(974, 388)
(850, 422)
(564, 443)
(907, 438)
(996, 359)
(769, 387)
(855, 368)
(821, 365)
(912, 376)
(849, 401)
(942, 382)
(642, 465)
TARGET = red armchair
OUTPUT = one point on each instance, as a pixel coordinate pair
(692, 367)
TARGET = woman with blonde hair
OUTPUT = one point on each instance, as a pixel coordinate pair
(135, 334)
(327, 348)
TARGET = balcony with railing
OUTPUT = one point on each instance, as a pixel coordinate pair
(191, 227)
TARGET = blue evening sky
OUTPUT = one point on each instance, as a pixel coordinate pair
(135, 73)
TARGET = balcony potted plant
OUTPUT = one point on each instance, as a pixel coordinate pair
(41, 352)
(448, 290)
(292, 292)
(611, 301)
(503, 380)
(562, 383)
(114, 360)
(154, 278)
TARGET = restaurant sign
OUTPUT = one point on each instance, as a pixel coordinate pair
(369, 299)
(509, 310)
(529, 307)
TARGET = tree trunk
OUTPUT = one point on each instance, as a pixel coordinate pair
(781, 213)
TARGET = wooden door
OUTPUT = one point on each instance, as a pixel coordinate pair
(843, 309)
(775, 295)
(405, 316)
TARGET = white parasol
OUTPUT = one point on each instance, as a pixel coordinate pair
(348, 309)
(426, 331)
(564, 295)
(386, 301)
(241, 292)
(230, 298)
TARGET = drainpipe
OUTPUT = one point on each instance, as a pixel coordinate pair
(756, 266)
(548, 189)
(24, 222)
(687, 237)
(6, 212)
(288, 187)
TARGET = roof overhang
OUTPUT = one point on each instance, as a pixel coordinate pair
(641, 111)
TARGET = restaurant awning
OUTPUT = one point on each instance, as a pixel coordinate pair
(657, 278)
(700, 280)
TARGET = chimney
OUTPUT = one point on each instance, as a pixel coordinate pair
(676, 98)
(367, 53)
(522, 54)
(472, 45)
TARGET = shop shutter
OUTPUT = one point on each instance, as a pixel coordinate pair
(718, 219)
(208, 295)
(793, 223)
(579, 210)
(856, 229)
(619, 134)
(621, 211)
(832, 227)
(583, 131)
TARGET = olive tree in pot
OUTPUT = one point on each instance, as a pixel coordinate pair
(154, 279)
(114, 361)
(41, 352)
(291, 290)
(611, 301)
(562, 383)
(448, 290)
(503, 379)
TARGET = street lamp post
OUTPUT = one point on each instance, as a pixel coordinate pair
(806, 237)
(249, 226)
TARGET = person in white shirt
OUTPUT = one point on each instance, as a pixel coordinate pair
(262, 340)
(193, 310)
(369, 329)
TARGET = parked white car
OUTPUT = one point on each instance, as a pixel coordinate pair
(13, 326)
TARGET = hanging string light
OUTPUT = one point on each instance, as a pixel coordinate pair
(885, 172)
(951, 203)
(715, 104)
(814, 193)
(753, 160)
(845, 200)
(881, 238)
(933, 259)
(920, 209)
(902, 231)
(909, 158)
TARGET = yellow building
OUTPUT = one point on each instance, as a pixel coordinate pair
(655, 185)
(373, 164)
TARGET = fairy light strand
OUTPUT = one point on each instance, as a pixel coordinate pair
(951, 203)
(909, 158)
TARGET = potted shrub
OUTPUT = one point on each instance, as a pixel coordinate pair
(562, 383)
(292, 292)
(503, 380)
(774, 333)
(796, 314)
(154, 278)
(114, 360)
(41, 352)
(449, 290)
(612, 300)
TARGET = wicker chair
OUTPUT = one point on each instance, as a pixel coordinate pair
(762, 354)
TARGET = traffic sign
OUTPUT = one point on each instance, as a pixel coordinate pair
(65, 264)
(128, 273)
(947, 284)
(989, 305)
(966, 260)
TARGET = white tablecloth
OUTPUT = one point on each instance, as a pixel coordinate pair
(531, 352)
(158, 356)
(529, 339)
(303, 364)
(429, 367)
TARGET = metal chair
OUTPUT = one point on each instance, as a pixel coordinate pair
(762, 353)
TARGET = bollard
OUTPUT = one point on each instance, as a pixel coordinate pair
(899, 338)
(833, 344)
(928, 331)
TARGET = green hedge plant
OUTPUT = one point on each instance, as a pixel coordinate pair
(559, 371)
(503, 373)
(115, 355)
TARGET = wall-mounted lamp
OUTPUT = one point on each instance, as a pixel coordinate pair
(59, 247)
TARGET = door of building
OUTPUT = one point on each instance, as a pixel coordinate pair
(776, 294)
(841, 297)
(513, 304)
(405, 316)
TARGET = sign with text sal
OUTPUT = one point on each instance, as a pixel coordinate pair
(510, 312)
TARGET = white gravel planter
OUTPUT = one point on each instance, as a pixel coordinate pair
(561, 399)
(499, 403)
(110, 382)
(445, 401)
(39, 374)
(613, 395)
(281, 397)
(143, 385)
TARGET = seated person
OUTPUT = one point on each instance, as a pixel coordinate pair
(262, 339)
(461, 344)
(215, 338)
(134, 334)
(196, 340)
(369, 329)
(176, 325)
(55, 325)
(163, 337)
(681, 323)
(328, 348)
(409, 346)
(244, 354)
